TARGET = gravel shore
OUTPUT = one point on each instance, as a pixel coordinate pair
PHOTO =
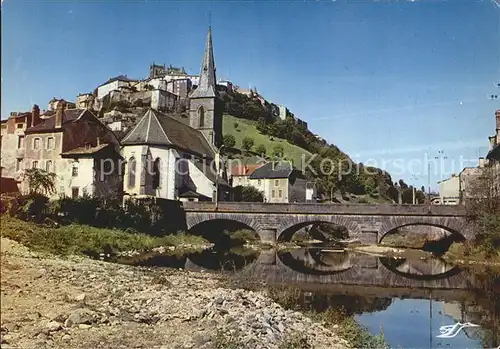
(76, 302)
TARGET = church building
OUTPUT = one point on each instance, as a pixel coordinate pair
(173, 158)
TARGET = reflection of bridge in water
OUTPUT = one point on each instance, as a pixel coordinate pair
(343, 272)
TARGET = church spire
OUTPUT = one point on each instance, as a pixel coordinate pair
(207, 83)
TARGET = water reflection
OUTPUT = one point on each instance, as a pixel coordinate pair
(409, 298)
(211, 259)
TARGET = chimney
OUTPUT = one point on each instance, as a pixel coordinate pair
(481, 162)
(35, 115)
(492, 140)
(59, 115)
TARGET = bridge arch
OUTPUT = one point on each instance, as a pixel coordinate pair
(394, 266)
(193, 221)
(455, 225)
(288, 227)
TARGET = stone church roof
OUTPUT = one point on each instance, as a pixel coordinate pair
(156, 128)
(207, 83)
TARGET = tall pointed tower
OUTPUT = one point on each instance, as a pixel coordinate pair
(205, 107)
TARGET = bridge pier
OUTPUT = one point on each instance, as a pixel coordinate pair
(268, 236)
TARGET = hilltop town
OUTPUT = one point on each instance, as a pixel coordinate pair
(163, 119)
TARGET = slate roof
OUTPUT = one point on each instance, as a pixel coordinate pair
(69, 115)
(274, 170)
(207, 84)
(85, 150)
(117, 78)
(156, 128)
(189, 193)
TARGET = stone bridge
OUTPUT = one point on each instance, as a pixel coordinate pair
(368, 223)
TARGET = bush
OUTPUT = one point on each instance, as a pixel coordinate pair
(229, 141)
(28, 207)
(247, 194)
(261, 149)
(243, 236)
(278, 151)
(247, 143)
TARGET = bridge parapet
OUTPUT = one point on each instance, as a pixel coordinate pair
(338, 209)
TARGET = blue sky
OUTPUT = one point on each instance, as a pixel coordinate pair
(384, 81)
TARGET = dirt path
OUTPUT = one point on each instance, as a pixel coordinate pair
(49, 302)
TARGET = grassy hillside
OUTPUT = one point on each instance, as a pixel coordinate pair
(247, 128)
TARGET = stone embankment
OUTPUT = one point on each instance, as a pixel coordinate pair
(48, 302)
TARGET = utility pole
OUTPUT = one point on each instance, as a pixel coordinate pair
(217, 169)
(429, 182)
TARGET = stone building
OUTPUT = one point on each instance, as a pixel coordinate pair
(55, 102)
(449, 191)
(114, 84)
(493, 155)
(13, 141)
(76, 146)
(240, 174)
(280, 182)
(86, 101)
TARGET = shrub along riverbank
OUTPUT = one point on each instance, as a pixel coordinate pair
(84, 239)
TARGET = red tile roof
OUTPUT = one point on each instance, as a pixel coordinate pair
(244, 170)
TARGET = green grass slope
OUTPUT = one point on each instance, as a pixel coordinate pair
(247, 128)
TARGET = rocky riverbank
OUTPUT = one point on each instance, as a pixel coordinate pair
(49, 302)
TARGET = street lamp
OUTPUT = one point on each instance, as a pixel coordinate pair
(217, 169)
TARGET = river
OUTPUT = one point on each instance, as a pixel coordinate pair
(406, 299)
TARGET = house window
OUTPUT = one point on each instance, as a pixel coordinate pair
(131, 172)
(276, 182)
(19, 164)
(48, 165)
(50, 143)
(273, 193)
(34, 164)
(258, 182)
(20, 142)
(280, 193)
(20, 125)
(74, 170)
(36, 143)
(75, 192)
(201, 116)
(156, 174)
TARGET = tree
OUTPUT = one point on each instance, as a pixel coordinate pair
(247, 194)
(482, 201)
(261, 149)
(40, 181)
(247, 143)
(229, 141)
(278, 150)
